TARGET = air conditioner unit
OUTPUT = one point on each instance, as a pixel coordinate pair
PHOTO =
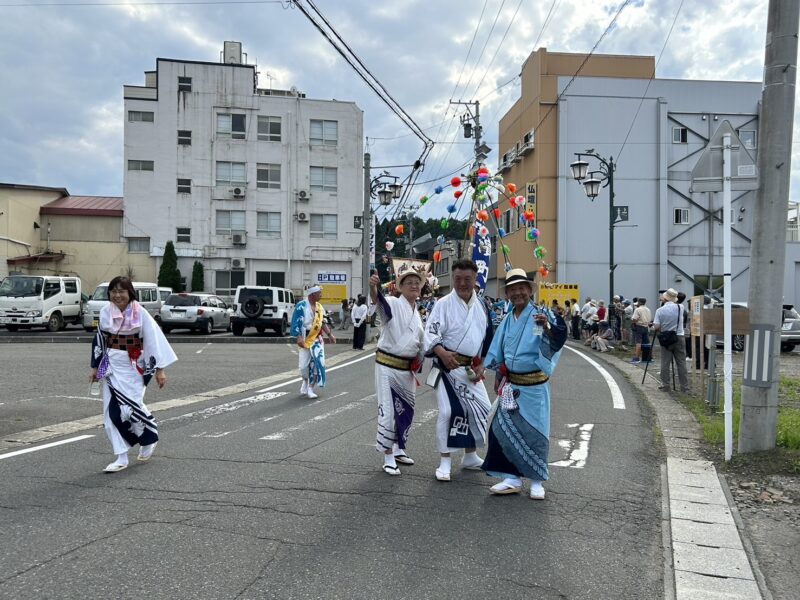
(302, 217)
(239, 238)
(303, 195)
(237, 192)
(513, 157)
(237, 263)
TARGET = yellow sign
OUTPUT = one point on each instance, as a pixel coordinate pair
(558, 291)
(333, 293)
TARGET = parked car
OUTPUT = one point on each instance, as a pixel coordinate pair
(31, 301)
(147, 295)
(198, 312)
(262, 307)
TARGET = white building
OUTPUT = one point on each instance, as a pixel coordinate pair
(261, 186)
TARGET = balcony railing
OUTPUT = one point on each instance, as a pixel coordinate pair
(792, 232)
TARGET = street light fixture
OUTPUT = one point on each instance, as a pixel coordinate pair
(604, 177)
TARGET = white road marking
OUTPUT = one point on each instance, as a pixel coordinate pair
(44, 446)
(203, 348)
(213, 411)
(328, 370)
(93, 398)
(578, 447)
(283, 434)
(616, 394)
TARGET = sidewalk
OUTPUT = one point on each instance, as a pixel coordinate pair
(706, 552)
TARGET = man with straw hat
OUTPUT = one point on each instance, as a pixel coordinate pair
(524, 351)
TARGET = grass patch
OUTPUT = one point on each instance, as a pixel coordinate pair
(787, 454)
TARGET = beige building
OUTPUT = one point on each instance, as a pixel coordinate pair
(46, 231)
(529, 147)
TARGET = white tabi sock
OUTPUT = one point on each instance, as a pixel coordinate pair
(388, 459)
(444, 464)
(122, 458)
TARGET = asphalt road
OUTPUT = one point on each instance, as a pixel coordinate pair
(261, 493)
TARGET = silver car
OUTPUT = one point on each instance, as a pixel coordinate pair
(198, 312)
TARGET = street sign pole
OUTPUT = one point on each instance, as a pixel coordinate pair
(727, 365)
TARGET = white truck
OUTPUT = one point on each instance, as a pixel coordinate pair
(39, 301)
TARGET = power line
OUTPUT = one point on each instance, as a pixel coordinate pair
(500, 45)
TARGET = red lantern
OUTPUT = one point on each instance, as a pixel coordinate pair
(482, 216)
(496, 212)
(457, 194)
(483, 171)
(543, 271)
(512, 188)
(399, 230)
(437, 256)
(528, 215)
(455, 181)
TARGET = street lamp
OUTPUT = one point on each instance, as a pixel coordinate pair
(604, 177)
(385, 188)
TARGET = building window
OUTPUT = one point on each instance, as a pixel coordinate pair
(227, 281)
(324, 178)
(231, 173)
(184, 186)
(681, 216)
(183, 235)
(139, 245)
(268, 177)
(229, 221)
(268, 224)
(324, 226)
(184, 84)
(184, 137)
(141, 165)
(136, 116)
(324, 132)
(508, 222)
(269, 129)
(443, 266)
(680, 135)
(232, 125)
(273, 278)
(748, 138)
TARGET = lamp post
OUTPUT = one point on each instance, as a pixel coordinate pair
(604, 177)
(386, 192)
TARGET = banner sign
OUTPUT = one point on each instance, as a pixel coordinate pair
(559, 292)
(481, 253)
(421, 267)
(331, 277)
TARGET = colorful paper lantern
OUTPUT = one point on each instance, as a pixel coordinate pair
(498, 179)
(437, 256)
(535, 233)
(440, 240)
(501, 232)
(543, 271)
(529, 216)
(507, 266)
(506, 250)
(497, 212)
(400, 229)
(423, 200)
(455, 181)
(539, 252)
(445, 223)
(452, 208)
(529, 236)
(438, 190)
(389, 246)
(512, 188)
(457, 194)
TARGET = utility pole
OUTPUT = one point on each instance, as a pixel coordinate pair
(759, 410)
(366, 228)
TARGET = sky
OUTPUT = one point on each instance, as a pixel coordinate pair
(64, 65)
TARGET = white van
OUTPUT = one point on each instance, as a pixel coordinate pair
(262, 307)
(147, 295)
(40, 301)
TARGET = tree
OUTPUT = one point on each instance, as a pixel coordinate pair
(198, 277)
(169, 275)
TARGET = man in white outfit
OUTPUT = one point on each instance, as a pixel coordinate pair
(457, 335)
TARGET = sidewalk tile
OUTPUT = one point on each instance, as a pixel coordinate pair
(708, 534)
(694, 586)
(718, 562)
(704, 495)
(704, 513)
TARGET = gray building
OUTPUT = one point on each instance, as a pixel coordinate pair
(655, 130)
(260, 185)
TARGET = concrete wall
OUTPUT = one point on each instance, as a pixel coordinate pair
(20, 208)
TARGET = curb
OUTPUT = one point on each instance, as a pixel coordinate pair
(695, 499)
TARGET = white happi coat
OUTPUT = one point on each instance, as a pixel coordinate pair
(401, 335)
(464, 405)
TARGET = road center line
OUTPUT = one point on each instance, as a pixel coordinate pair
(327, 370)
(203, 348)
(44, 446)
(282, 435)
(616, 394)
